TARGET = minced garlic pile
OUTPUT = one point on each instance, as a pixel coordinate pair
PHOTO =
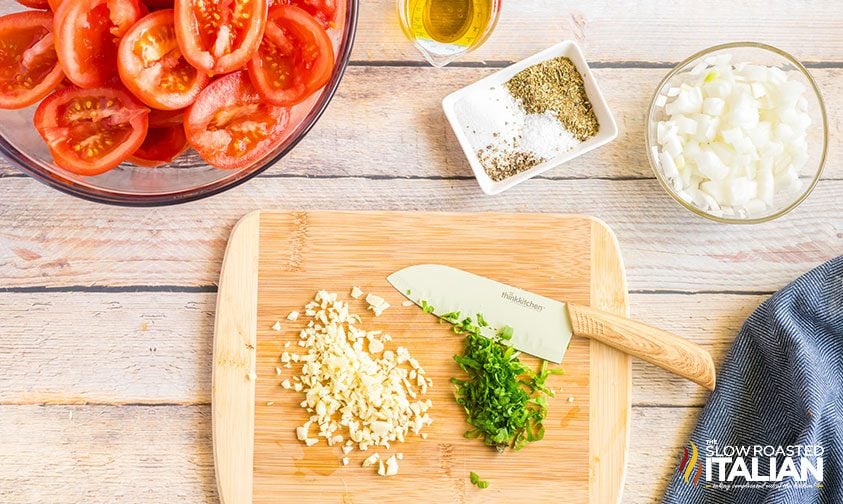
(357, 391)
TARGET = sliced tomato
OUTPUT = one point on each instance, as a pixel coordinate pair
(158, 4)
(164, 141)
(295, 58)
(90, 131)
(219, 36)
(87, 35)
(29, 69)
(161, 118)
(54, 4)
(151, 65)
(325, 11)
(231, 126)
(35, 4)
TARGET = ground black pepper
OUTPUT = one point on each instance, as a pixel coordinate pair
(503, 161)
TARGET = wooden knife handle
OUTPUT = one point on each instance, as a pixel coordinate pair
(664, 349)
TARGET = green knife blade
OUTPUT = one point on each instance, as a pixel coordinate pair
(541, 326)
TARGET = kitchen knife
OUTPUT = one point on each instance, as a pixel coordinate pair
(542, 326)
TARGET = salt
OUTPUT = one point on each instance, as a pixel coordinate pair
(491, 116)
(545, 137)
(499, 130)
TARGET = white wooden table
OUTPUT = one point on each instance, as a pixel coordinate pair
(106, 313)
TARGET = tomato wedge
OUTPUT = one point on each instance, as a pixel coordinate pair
(164, 141)
(219, 36)
(295, 58)
(87, 34)
(323, 10)
(90, 131)
(54, 4)
(29, 69)
(35, 4)
(152, 67)
(159, 4)
(230, 126)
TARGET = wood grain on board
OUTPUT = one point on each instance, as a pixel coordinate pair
(233, 373)
(301, 252)
(611, 371)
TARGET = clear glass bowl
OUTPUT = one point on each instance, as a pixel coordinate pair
(188, 177)
(757, 54)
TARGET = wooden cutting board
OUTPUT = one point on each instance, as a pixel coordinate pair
(276, 261)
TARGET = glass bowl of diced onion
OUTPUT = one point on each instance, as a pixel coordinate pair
(738, 133)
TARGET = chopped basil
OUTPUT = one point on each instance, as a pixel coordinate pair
(476, 481)
(426, 307)
(506, 333)
(504, 400)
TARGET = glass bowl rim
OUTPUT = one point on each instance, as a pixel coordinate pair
(739, 45)
(18, 159)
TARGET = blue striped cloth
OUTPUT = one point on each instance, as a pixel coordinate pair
(781, 385)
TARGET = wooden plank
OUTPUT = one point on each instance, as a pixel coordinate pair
(72, 454)
(658, 435)
(152, 347)
(611, 390)
(372, 130)
(159, 345)
(611, 31)
(712, 321)
(48, 239)
(626, 31)
(144, 454)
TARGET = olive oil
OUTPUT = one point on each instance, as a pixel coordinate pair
(446, 29)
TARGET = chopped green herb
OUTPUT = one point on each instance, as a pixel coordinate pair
(481, 321)
(503, 398)
(476, 481)
(538, 382)
(409, 292)
(426, 306)
(506, 333)
(452, 317)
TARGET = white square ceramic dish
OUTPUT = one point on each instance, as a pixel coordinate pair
(608, 128)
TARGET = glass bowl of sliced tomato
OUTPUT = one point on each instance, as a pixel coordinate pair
(156, 102)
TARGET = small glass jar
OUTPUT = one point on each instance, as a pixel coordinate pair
(444, 30)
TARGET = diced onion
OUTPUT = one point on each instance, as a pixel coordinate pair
(735, 136)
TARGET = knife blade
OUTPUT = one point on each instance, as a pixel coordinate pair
(543, 327)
